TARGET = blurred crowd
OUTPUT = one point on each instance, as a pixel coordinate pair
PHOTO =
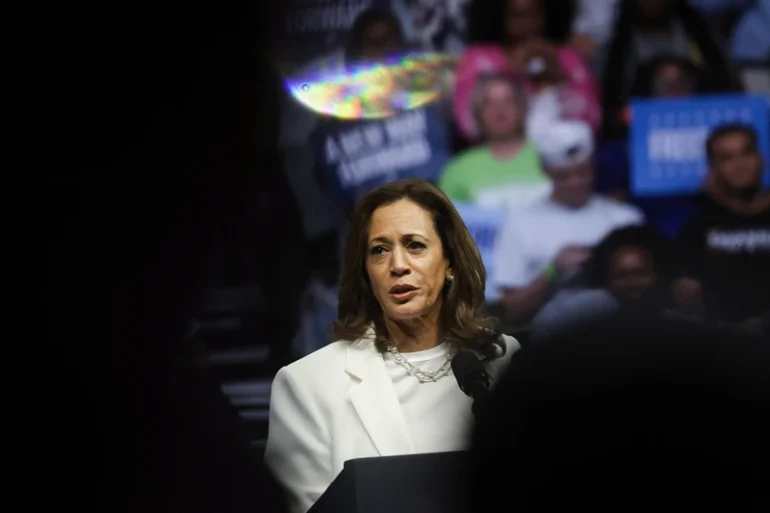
(536, 124)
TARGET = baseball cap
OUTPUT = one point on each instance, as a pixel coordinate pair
(564, 143)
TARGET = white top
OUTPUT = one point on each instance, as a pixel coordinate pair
(530, 239)
(437, 414)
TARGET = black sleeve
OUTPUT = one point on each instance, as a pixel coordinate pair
(690, 251)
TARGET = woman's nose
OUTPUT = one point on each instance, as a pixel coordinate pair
(398, 263)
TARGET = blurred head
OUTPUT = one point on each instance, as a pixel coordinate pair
(499, 107)
(668, 77)
(734, 160)
(650, 10)
(671, 81)
(523, 19)
(573, 184)
(409, 259)
(632, 278)
(633, 264)
(566, 150)
(375, 35)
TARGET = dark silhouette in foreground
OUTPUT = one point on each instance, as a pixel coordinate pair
(629, 414)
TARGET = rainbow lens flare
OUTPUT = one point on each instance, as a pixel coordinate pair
(374, 90)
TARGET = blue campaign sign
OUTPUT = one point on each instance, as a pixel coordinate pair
(484, 224)
(358, 156)
(668, 137)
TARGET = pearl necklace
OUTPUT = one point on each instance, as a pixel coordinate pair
(424, 376)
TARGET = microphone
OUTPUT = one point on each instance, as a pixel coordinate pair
(471, 376)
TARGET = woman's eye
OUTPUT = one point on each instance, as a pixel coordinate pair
(415, 245)
(377, 250)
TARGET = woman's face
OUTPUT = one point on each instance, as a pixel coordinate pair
(406, 263)
(632, 277)
(523, 19)
(499, 113)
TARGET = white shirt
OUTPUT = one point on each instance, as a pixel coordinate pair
(437, 414)
(530, 239)
(514, 195)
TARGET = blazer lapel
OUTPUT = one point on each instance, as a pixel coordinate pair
(374, 399)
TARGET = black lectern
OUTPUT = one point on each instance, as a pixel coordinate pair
(415, 483)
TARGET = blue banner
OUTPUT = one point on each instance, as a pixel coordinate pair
(484, 224)
(358, 156)
(668, 139)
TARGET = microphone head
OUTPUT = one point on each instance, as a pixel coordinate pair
(468, 370)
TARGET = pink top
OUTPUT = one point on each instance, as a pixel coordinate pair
(579, 96)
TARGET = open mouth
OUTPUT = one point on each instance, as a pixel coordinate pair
(402, 291)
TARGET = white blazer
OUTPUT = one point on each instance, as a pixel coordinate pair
(334, 405)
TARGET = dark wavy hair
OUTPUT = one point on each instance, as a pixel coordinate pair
(462, 319)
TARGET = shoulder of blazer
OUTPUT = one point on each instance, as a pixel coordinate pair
(326, 364)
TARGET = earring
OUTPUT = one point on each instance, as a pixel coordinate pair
(450, 278)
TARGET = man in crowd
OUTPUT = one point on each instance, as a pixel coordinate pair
(505, 170)
(726, 248)
(541, 246)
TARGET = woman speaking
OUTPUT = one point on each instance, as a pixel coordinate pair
(411, 296)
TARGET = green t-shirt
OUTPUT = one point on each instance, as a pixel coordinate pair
(476, 176)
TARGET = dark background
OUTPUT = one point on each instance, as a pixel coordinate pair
(147, 130)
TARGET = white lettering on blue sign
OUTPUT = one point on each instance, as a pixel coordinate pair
(332, 150)
(373, 135)
(676, 145)
(352, 142)
(407, 125)
(411, 154)
(668, 142)
(364, 153)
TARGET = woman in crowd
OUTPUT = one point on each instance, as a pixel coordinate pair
(411, 296)
(646, 29)
(505, 169)
(542, 65)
